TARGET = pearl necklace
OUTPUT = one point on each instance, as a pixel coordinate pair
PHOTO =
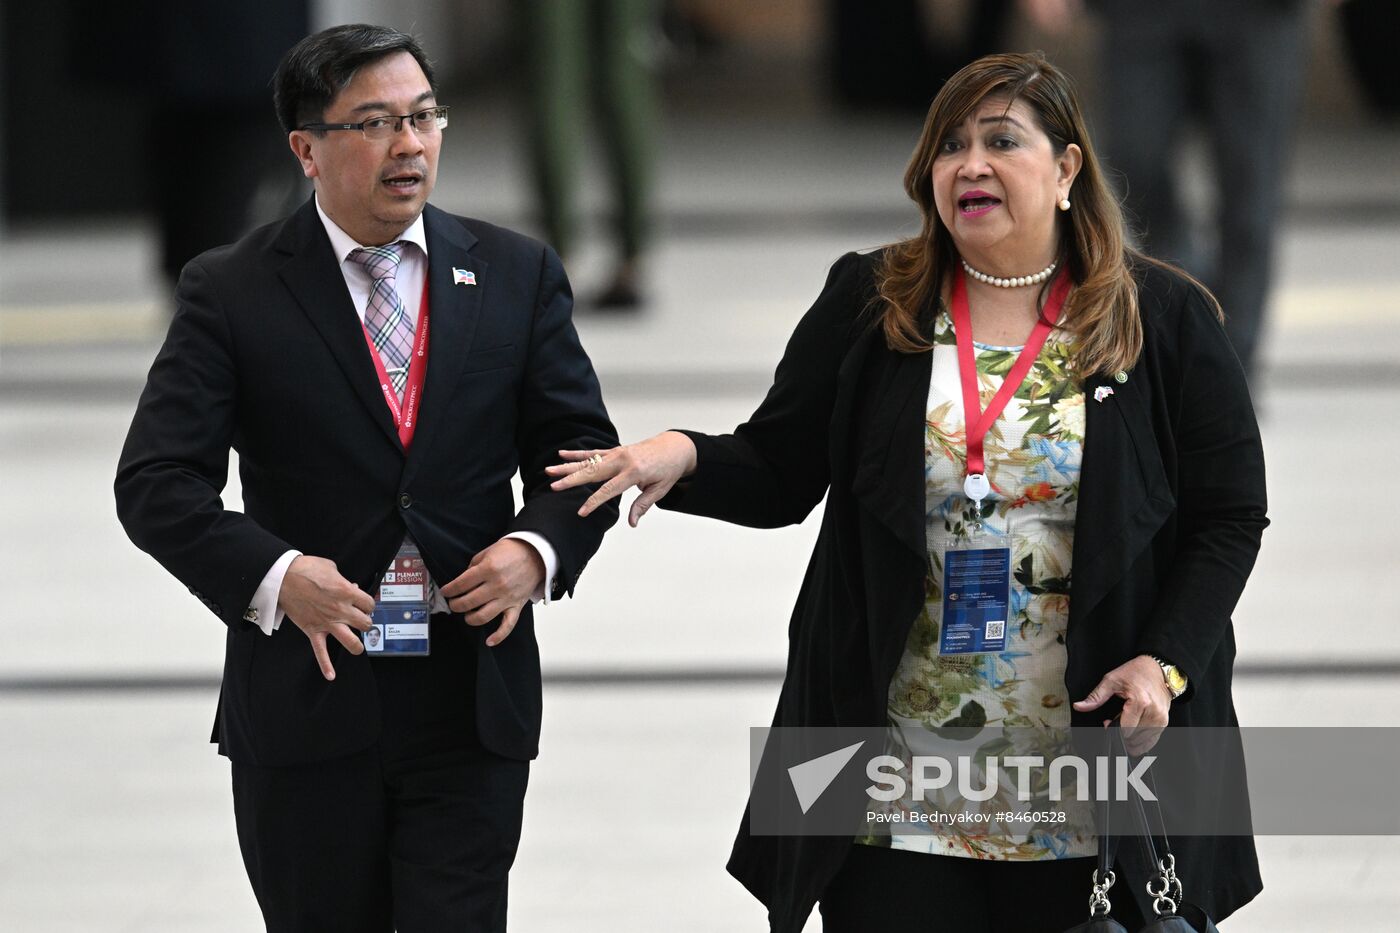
(1015, 281)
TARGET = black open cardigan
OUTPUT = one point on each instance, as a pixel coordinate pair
(1171, 510)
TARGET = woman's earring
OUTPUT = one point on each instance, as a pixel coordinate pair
(1064, 205)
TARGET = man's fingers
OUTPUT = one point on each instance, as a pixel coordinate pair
(508, 620)
(467, 581)
(354, 615)
(362, 601)
(472, 599)
(486, 612)
(323, 656)
(359, 620)
(347, 638)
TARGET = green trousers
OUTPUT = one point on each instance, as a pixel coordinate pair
(581, 53)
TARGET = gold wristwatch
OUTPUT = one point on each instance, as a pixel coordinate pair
(1176, 681)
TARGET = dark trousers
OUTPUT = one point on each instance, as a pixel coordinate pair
(1239, 65)
(416, 834)
(892, 889)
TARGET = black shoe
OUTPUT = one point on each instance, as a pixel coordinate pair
(622, 294)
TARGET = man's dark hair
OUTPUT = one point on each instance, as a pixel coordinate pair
(318, 67)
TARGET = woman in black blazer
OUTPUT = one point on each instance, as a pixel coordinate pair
(1128, 448)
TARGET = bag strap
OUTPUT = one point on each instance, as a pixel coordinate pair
(1100, 906)
(1164, 887)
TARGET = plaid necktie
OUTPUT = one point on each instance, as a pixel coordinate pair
(385, 317)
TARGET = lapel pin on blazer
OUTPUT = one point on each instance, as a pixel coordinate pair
(1102, 392)
(463, 277)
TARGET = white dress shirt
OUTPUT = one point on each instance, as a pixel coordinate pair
(413, 268)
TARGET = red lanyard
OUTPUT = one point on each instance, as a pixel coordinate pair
(406, 415)
(979, 421)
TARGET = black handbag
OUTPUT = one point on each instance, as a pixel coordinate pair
(1172, 913)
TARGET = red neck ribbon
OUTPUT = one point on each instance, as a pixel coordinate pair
(406, 414)
(979, 421)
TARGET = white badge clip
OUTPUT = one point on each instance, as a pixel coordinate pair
(976, 487)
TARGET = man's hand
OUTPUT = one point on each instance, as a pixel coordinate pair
(321, 602)
(1146, 701)
(499, 581)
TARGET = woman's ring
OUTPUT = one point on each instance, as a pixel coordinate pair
(595, 459)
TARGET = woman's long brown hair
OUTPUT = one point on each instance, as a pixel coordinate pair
(1101, 314)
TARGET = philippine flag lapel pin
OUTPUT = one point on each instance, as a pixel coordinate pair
(1102, 392)
(463, 276)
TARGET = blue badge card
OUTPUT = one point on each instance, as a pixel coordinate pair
(400, 614)
(402, 631)
(976, 600)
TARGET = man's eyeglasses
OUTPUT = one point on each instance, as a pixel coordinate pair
(382, 127)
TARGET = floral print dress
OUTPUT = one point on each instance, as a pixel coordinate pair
(1033, 455)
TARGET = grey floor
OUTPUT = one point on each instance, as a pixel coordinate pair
(115, 816)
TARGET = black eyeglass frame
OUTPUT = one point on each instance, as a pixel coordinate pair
(439, 115)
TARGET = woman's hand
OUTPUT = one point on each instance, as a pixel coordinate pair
(653, 466)
(1146, 701)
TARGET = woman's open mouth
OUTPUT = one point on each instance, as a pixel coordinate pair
(976, 202)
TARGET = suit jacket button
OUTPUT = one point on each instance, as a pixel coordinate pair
(405, 501)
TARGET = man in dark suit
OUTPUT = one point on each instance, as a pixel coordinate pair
(383, 370)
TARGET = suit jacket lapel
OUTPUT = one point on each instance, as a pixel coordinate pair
(455, 311)
(314, 278)
(1124, 495)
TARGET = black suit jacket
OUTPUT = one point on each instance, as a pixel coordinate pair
(266, 355)
(1170, 514)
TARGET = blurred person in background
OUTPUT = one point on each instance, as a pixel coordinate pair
(896, 58)
(362, 440)
(205, 68)
(1014, 361)
(594, 57)
(1372, 32)
(1237, 65)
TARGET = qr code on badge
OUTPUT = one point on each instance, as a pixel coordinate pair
(995, 629)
